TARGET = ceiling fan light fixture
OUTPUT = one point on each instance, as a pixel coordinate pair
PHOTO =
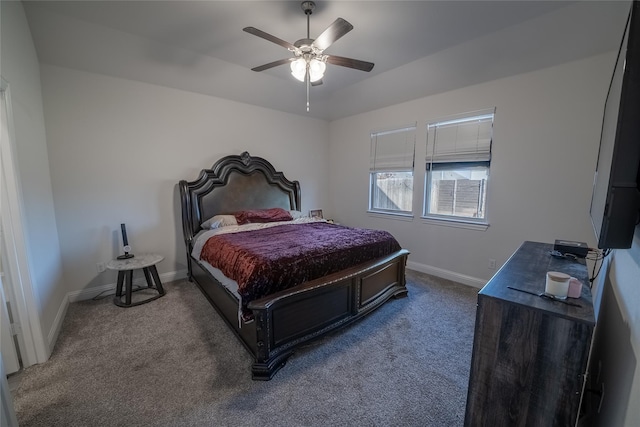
(316, 70)
(299, 69)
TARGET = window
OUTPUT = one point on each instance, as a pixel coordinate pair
(391, 170)
(457, 167)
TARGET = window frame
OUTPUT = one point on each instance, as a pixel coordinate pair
(372, 185)
(455, 220)
(373, 172)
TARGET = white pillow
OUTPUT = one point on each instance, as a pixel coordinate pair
(219, 221)
(297, 215)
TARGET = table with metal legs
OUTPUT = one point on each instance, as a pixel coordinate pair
(125, 268)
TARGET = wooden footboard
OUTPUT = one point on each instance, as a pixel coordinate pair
(287, 319)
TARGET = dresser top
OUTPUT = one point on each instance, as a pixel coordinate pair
(526, 270)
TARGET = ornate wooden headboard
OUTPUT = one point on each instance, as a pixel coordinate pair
(234, 183)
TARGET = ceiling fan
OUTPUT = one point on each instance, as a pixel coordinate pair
(309, 61)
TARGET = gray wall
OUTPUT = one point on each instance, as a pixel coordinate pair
(545, 142)
(119, 147)
(615, 359)
(20, 68)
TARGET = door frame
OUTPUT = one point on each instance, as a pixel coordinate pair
(7, 412)
(8, 346)
(31, 342)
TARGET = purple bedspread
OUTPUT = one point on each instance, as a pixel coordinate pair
(272, 259)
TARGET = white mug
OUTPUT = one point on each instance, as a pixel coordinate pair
(557, 284)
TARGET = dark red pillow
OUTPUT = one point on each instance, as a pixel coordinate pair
(262, 215)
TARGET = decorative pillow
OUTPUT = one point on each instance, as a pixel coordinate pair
(219, 221)
(263, 215)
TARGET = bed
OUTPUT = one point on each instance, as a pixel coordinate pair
(272, 326)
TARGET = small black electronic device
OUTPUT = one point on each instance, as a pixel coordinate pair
(579, 249)
(125, 243)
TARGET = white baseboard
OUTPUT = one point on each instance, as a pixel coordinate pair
(89, 293)
(52, 337)
(446, 274)
(85, 294)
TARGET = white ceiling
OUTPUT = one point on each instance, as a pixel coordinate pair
(419, 47)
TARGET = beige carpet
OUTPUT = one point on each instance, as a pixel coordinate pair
(173, 362)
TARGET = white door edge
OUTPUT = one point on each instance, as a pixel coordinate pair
(33, 347)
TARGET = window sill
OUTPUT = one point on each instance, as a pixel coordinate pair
(391, 215)
(458, 223)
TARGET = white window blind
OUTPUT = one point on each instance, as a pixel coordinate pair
(466, 139)
(393, 150)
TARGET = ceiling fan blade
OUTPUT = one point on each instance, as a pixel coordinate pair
(339, 28)
(351, 63)
(316, 83)
(272, 64)
(269, 37)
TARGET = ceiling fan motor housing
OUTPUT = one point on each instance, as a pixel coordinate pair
(308, 7)
(303, 42)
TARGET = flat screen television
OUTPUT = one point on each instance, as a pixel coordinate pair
(615, 202)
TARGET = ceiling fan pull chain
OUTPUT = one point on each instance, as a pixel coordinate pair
(307, 82)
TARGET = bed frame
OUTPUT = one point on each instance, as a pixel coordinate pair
(287, 319)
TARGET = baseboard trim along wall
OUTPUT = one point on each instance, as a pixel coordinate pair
(89, 293)
(446, 274)
(52, 337)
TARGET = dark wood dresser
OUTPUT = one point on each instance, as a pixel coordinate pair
(529, 353)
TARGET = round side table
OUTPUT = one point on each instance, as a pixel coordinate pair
(125, 267)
